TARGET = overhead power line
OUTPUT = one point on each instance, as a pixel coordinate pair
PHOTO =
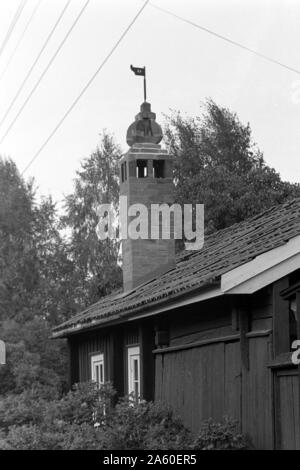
(35, 61)
(12, 25)
(224, 38)
(20, 39)
(45, 70)
(90, 81)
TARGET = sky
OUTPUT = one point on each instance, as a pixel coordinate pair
(184, 67)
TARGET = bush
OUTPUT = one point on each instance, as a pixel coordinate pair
(220, 436)
(37, 424)
(18, 410)
(31, 437)
(85, 419)
(144, 425)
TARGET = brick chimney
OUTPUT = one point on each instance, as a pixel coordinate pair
(146, 178)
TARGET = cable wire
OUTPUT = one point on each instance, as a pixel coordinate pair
(12, 25)
(224, 38)
(36, 60)
(20, 39)
(85, 87)
(45, 70)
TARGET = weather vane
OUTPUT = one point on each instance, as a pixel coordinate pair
(141, 71)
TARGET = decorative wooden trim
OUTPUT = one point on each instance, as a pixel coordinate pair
(196, 297)
(290, 291)
(197, 344)
(263, 270)
(286, 372)
(205, 342)
(258, 334)
(276, 365)
(266, 277)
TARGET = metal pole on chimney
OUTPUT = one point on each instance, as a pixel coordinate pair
(145, 89)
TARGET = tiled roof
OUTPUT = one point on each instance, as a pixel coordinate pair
(223, 251)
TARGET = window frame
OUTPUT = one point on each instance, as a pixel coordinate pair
(98, 360)
(134, 383)
(141, 168)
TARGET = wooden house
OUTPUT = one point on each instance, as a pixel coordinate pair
(209, 332)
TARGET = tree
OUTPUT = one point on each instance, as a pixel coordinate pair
(97, 182)
(17, 254)
(217, 164)
(46, 276)
(34, 278)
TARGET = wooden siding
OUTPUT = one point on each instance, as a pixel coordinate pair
(209, 382)
(200, 321)
(206, 373)
(200, 383)
(89, 345)
(257, 418)
(217, 360)
(287, 409)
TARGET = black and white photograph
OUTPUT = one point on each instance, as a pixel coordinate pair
(149, 229)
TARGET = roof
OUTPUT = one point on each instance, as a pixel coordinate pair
(222, 251)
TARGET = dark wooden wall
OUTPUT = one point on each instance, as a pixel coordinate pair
(287, 409)
(204, 373)
(218, 362)
(113, 343)
(93, 344)
(201, 382)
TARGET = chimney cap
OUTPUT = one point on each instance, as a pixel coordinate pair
(144, 129)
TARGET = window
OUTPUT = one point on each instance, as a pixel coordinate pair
(97, 369)
(134, 372)
(141, 169)
(124, 172)
(158, 168)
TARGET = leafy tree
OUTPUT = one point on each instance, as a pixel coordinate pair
(96, 270)
(217, 164)
(34, 360)
(33, 280)
(35, 271)
(45, 276)
(54, 298)
(17, 254)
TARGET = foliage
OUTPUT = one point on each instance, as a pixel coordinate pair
(33, 291)
(217, 164)
(17, 255)
(220, 436)
(34, 360)
(97, 272)
(85, 419)
(144, 425)
(46, 276)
